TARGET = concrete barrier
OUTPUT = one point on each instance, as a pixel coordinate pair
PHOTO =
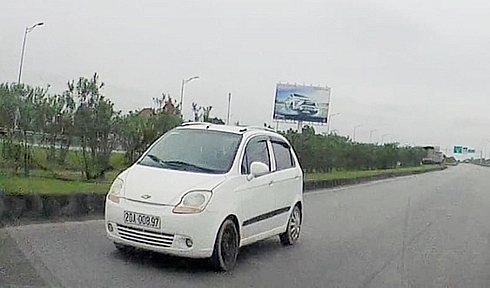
(312, 185)
(14, 208)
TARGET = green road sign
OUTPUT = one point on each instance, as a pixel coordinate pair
(458, 149)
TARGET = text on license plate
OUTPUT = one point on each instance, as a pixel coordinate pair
(141, 219)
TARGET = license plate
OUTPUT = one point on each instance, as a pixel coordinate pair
(141, 219)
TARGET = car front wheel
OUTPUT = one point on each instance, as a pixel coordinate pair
(293, 229)
(226, 247)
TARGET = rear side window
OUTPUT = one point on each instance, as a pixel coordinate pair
(256, 151)
(283, 156)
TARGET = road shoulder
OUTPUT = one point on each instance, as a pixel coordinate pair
(15, 269)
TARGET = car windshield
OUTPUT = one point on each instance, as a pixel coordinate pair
(194, 150)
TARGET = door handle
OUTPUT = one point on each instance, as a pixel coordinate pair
(271, 182)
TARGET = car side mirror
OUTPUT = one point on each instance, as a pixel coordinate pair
(257, 169)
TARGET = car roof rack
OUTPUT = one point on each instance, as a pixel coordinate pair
(195, 123)
(243, 128)
(247, 128)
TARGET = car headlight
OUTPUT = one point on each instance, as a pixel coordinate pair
(114, 192)
(193, 202)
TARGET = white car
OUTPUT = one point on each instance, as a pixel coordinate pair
(301, 103)
(204, 190)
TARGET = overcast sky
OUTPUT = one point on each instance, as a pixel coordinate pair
(418, 70)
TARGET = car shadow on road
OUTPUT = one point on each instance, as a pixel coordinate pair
(162, 261)
(250, 253)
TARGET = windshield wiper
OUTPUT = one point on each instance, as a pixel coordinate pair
(181, 164)
(156, 159)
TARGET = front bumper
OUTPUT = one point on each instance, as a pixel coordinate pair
(171, 238)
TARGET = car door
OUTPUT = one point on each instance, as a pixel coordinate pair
(288, 180)
(257, 198)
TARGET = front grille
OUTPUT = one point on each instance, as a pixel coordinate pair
(144, 236)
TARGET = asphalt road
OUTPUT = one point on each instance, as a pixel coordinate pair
(429, 230)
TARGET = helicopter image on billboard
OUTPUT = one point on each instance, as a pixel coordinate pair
(301, 104)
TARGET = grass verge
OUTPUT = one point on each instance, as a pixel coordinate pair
(42, 183)
(43, 186)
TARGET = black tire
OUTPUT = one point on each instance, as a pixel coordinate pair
(293, 229)
(226, 247)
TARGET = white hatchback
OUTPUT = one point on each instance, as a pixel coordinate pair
(204, 190)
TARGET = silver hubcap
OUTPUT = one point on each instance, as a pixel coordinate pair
(295, 224)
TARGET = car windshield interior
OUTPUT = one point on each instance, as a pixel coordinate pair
(194, 150)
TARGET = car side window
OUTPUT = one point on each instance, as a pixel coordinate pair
(256, 150)
(283, 156)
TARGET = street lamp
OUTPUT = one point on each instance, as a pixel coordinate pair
(228, 110)
(184, 81)
(383, 137)
(28, 29)
(371, 135)
(355, 128)
(485, 152)
(329, 120)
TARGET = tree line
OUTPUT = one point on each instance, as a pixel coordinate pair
(82, 117)
(326, 153)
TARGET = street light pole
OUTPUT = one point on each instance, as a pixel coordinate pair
(329, 120)
(355, 128)
(181, 95)
(228, 110)
(28, 29)
(371, 135)
(383, 137)
(184, 81)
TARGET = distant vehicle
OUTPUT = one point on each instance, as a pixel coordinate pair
(207, 198)
(302, 104)
(433, 156)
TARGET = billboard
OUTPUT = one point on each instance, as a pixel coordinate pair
(301, 103)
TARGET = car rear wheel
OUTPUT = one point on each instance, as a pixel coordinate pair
(293, 229)
(226, 247)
